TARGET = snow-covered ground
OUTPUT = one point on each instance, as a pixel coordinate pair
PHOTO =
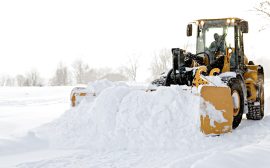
(122, 127)
(23, 108)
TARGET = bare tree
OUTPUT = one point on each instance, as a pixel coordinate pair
(7, 80)
(92, 75)
(20, 79)
(84, 74)
(33, 78)
(101, 72)
(131, 69)
(80, 70)
(263, 8)
(161, 63)
(10, 81)
(3, 79)
(61, 77)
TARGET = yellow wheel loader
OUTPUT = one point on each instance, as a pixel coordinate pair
(220, 51)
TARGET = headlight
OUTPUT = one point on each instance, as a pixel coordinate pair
(202, 23)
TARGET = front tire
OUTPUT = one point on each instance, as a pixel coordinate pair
(238, 101)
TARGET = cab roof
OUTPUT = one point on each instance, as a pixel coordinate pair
(235, 18)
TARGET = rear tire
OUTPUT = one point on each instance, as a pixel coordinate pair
(257, 113)
(237, 94)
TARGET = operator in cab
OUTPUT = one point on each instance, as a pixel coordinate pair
(217, 52)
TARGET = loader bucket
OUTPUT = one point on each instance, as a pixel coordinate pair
(76, 97)
(221, 121)
(77, 94)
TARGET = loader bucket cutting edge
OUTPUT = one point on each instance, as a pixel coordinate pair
(221, 99)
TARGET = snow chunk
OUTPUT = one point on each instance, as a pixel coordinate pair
(214, 81)
(228, 74)
(214, 114)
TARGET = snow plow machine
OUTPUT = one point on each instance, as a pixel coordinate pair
(219, 53)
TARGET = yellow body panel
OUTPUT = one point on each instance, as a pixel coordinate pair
(252, 72)
(251, 79)
(227, 64)
(214, 71)
(220, 98)
(251, 87)
(197, 78)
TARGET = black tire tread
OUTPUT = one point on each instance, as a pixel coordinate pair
(257, 114)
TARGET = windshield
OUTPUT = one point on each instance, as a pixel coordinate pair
(214, 37)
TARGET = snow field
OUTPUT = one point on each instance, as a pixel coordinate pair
(24, 108)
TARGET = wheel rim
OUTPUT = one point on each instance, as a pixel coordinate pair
(236, 102)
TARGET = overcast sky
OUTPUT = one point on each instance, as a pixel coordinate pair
(40, 34)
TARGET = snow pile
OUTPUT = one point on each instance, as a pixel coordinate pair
(98, 86)
(123, 117)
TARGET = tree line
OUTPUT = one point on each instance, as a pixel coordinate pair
(81, 73)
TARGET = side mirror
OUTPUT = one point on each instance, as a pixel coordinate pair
(244, 26)
(189, 30)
